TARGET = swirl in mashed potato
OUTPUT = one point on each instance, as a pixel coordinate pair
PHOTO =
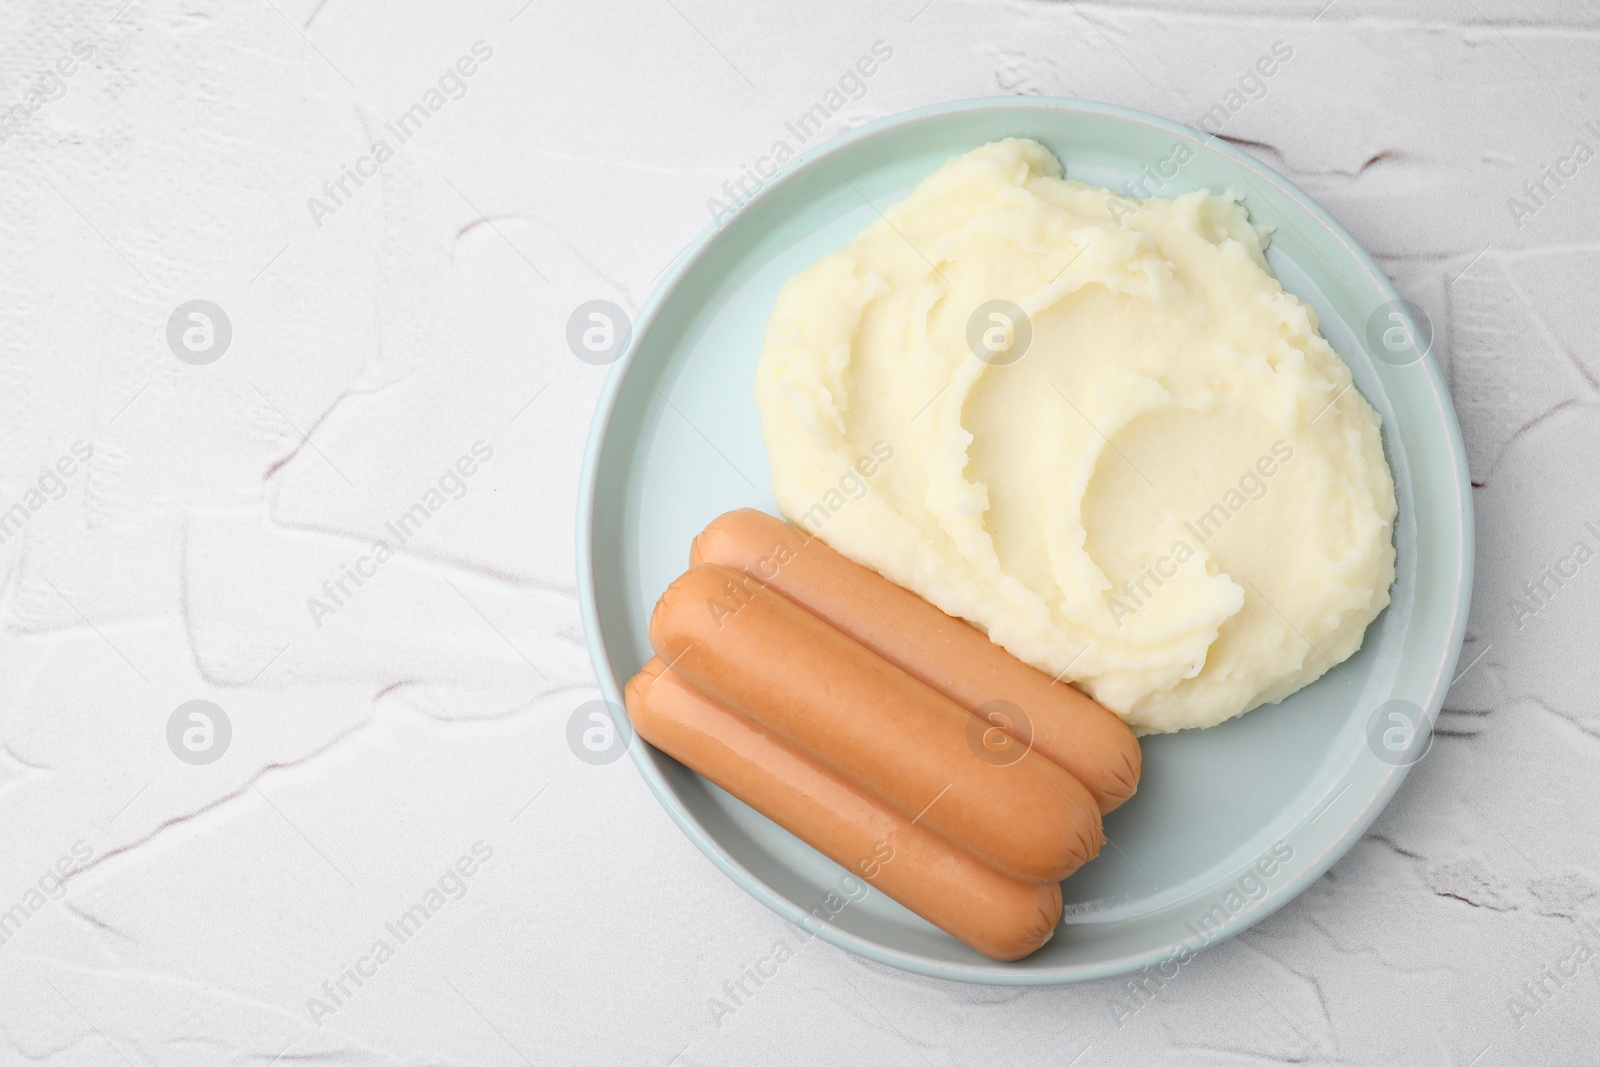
(1159, 485)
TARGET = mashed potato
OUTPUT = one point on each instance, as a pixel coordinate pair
(1154, 480)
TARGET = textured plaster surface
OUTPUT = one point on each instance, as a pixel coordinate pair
(422, 319)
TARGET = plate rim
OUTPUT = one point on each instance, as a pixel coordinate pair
(994, 973)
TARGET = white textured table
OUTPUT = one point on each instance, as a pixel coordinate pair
(396, 208)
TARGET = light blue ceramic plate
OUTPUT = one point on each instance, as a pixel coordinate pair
(1229, 823)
